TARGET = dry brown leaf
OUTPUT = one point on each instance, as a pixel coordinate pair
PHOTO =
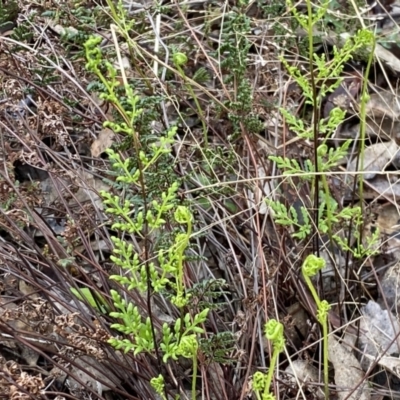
(376, 158)
(103, 142)
(383, 104)
(304, 373)
(28, 290)
(89, 187)
(95, 245)
(388, 219)
(98, 372)
(260, 195)
(298, 326)
(390, 285)
(378, 332)
(387, 57)
(61, 30)
(217, 379)
(387, 222)
(384, 128)
(392, 364)
(344, 95)
(382, 187)
(348, 373)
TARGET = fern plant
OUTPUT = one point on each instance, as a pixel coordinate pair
(324, 217)
(151, 211)
(325, 78)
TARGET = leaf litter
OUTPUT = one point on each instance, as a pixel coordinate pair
(348, 372)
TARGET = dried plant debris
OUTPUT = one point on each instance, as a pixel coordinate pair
(386, 221)
(383, 188)
(344, 96)
(302, 375)
(387, 57)
(89, 373)
(104, 141)
(217, 380)
(377, 157)
(379, 334)
(297, 325)
(335, 263)
(261, 192)
(382, 119)
(383, 128)
(390, 286)
(384, 104)
(77, 189)
(17, 384)
(349, 376)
